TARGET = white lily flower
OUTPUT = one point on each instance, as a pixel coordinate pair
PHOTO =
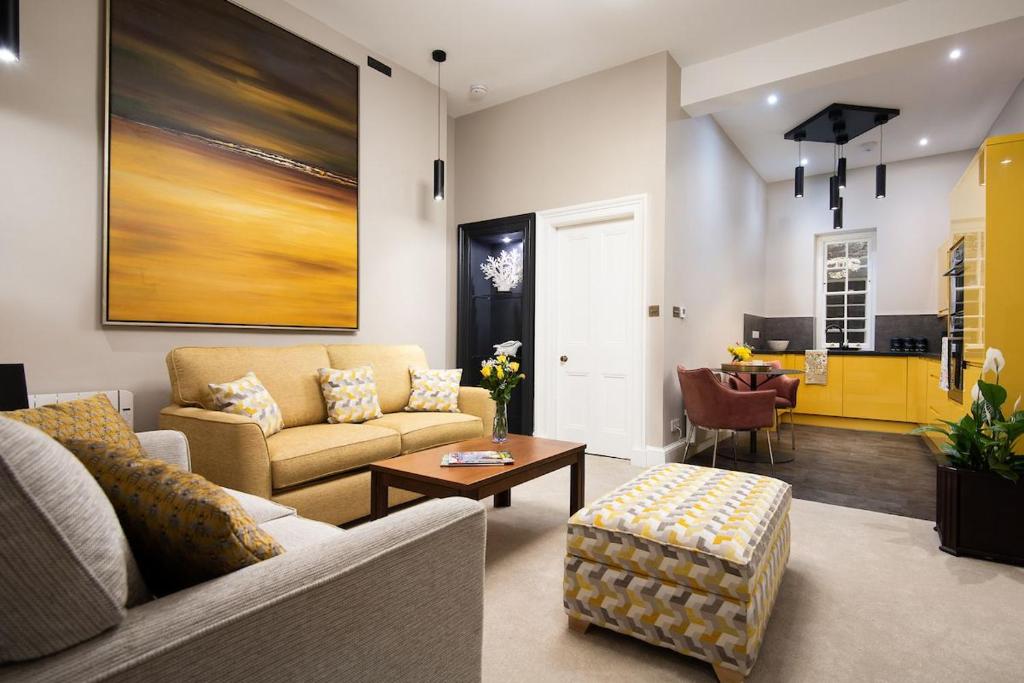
(994, 361)
(975, 393)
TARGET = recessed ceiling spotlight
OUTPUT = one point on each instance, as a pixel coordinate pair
(955, 54)
(923, 142)
(477, 90)
(773, 99)
(803, 162)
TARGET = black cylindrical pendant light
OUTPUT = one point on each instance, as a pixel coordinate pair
(439, 56)
(841, 170)
(10, 35)
(833, 192)
(880, 168)
(837, 216)
(798, 175)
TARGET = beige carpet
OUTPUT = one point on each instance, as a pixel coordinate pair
(867, 597)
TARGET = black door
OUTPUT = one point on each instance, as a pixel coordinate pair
(491, 312)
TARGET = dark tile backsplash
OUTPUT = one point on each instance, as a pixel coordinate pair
(800, 330)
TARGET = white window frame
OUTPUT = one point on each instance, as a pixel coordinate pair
(821, 242)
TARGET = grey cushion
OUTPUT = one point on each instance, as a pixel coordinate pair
(64, 561)
(298, 532)
(261, 509)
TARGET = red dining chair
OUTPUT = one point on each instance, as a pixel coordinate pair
(785, 395)
(710, 404)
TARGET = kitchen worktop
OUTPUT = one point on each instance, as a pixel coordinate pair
(854, 352)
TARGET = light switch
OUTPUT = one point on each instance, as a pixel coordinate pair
(756, 334)
(676, 312)
(653, 311)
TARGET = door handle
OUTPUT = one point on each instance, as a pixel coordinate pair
(563, 359)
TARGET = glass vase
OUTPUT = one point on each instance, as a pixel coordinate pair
(500, 431)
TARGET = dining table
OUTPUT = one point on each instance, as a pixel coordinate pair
(758, 373)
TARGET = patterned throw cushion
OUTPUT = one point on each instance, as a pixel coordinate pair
(434, 391)
(351, 395)
(183, 529)
(94, 419)
(248, 397)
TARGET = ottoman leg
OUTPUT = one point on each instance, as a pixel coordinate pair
(727, 675)
(578, 625)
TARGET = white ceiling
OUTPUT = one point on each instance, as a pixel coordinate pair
(516, 47)
(952, 103)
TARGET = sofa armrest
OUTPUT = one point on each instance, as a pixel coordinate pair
(477, 401)
(168, 445)
(227, 449)
(396, 599)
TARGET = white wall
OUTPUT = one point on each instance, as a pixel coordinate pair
(715, 237)
(1011, 118)
(597, 137)
(912, 222)
(50, 232)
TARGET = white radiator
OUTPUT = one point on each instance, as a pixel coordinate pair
(122, 400)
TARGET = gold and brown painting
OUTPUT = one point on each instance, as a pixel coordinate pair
(232, 178)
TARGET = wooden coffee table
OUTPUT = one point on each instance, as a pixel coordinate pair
(421, 472)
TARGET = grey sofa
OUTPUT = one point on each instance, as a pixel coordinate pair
(392, 600)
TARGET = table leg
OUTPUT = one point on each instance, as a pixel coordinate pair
(503, 499)
(753, 433)
(577, 483)
(378, 496)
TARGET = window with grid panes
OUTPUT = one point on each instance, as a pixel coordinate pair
(846, 316)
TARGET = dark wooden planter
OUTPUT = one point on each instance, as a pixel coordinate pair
(979, 514)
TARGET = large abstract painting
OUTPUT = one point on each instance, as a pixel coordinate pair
(232, 171)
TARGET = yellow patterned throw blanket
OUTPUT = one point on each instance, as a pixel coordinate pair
(816, 366)
(685, 557)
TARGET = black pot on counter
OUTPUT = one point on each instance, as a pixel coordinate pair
(897, 345)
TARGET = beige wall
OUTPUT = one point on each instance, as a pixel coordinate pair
(50, 232)
(598, 137)
(715, 240)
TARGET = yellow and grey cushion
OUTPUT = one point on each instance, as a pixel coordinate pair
(434, 391)
(93, 418)
(351, 395)
(248, 397)
(685, 557)
(182, 528)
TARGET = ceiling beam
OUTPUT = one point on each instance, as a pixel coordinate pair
(840, 50)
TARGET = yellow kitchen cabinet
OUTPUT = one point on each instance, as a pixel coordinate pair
(875, 387)
(917, 390)
(769, 357)
(820, 399)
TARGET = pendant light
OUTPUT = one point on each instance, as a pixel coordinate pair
(841, 168)
(10, 40)
(439, 56)
(880, 168)
(798, 177)
(837, 216)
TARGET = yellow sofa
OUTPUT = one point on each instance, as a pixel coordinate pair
(319, 469)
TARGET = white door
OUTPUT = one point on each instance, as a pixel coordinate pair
(595, 335)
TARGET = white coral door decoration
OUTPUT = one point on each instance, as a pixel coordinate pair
(506, 271)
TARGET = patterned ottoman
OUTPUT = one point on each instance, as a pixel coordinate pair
(685, 557)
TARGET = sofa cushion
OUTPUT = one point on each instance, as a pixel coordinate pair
(261, 509)
(93, 418)
(426, 430)
(390, 368)
(351, 395)
(302, 454)
(434, 391)
(288, 373)
(184, 529)
(249, 398)
(298, 532)
(64, 560)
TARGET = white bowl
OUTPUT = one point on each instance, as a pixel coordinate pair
(778, 344)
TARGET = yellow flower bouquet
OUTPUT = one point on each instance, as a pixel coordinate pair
(500, 375)
(741, 353)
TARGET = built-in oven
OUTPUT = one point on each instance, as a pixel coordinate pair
(955, 322)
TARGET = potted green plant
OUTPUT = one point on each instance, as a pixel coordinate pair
(979, 501)
(500, 376)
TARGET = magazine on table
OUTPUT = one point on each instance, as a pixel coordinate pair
(476, 459)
